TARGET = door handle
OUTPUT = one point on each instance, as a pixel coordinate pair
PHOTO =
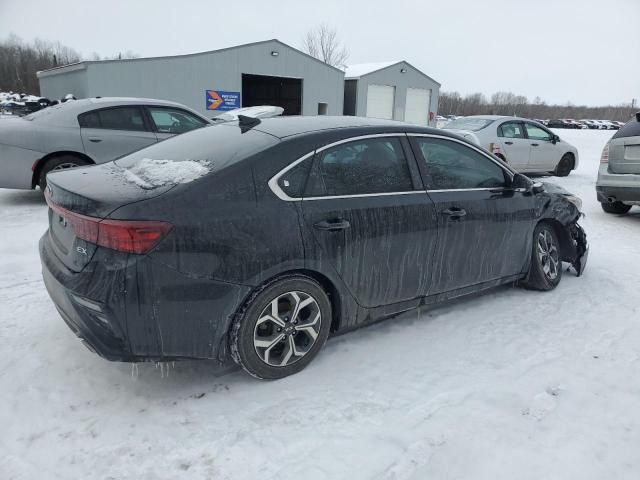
(508, 143)
(535, 144)
(454, 212)
(95, 140)
(332, 225)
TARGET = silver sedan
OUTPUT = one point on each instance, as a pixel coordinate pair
(526, 145)
(85, 132)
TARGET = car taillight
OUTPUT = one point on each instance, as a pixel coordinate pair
(131, 236)
(604, 158)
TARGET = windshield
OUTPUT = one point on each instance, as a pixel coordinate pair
(473, 124)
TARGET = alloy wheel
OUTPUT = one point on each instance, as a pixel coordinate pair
(287, 328)
(548, 254)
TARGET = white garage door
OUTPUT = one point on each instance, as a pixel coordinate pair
(416, 109)
(380, 101)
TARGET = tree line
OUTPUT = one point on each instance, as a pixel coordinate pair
(507, 103)
(20, 60)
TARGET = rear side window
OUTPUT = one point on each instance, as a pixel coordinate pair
(376, 165)
(453, 166)
(511, 130)
(174, 121)
(293, 181)
(630, 129)
(118, 118)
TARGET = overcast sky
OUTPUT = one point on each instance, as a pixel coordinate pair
(581, 51)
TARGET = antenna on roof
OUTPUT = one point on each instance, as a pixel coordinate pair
(247, 123)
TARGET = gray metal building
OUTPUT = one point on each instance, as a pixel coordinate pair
(393, 90)
(268, 72)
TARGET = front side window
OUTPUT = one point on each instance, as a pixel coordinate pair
(536, 133)
(453, 166)
(174, 121)
(374, 165)
(119, 118)
(511, 130)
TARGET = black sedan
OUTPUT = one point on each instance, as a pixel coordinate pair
(259, 239)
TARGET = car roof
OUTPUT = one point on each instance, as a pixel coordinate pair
(65, 114)
(283, 127)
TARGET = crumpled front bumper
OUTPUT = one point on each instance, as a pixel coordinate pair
(581, 247)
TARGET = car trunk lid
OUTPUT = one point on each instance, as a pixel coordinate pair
(79, 199)
(624, 155)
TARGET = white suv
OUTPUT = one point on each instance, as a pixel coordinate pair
(618, 185)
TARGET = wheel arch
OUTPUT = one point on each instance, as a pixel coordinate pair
(564, 237)
(325, 283)
(37, 168)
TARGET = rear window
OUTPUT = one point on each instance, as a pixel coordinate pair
(118, 118)
(472, 124)
(630, 129)
(215, 146)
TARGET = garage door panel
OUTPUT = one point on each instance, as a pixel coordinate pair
(380, 100)
(416, 108)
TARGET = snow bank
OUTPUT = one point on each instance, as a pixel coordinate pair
(149, 173)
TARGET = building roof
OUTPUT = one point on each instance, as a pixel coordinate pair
(361, 69)
(83, 64)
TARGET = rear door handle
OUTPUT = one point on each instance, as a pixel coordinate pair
(508, 143)
(332, 225)
(535, 144)
(454, 212)
(95, 140)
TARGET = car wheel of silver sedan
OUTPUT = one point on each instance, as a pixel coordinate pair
(54, 164)
(282, 327)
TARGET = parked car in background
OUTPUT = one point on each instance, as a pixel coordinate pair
(575, 124)
(302, 226)
(592, 125)
(525, 145)
(85, 132)
(619, 124)
(610, 125)
(560, 123)
(618, 184)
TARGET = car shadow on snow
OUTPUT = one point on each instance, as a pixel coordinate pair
(21, 198)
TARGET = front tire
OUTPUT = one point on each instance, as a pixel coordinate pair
(545, 271)
(62, 162)
(615, 207)
(281, 328)
(565, 165)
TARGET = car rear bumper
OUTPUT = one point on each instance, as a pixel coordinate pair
(15, 165)
(623, 187)
(132, 308)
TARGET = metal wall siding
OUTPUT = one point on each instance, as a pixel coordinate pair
(185, 79)
(56, 87)
(392, 76)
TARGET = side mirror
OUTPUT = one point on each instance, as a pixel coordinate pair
(520, 181)
(537, 187)
(555, 138)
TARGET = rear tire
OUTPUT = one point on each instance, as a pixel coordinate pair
(281, 328)
(62, 162)
(565, 165)
(545, 271)
(615, 207)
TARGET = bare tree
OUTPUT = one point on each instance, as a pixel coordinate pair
(507, 103)
(322, 42)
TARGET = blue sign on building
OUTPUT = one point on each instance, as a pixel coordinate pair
(219, 100)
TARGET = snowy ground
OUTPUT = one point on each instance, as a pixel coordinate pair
(510, 385)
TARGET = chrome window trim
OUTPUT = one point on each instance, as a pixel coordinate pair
(275, 188)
